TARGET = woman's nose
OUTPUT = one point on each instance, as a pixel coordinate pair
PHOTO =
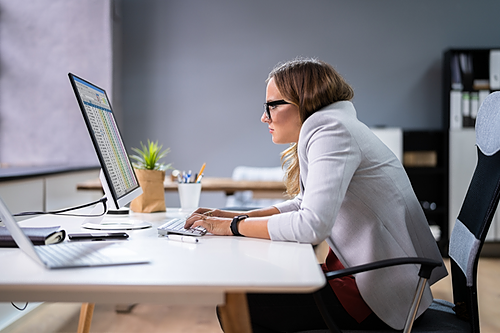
(264, 118)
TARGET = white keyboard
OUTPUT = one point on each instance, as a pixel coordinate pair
(176, 226)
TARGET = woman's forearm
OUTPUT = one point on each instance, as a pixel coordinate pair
(256, 223)
(262, 212)
(254, 227)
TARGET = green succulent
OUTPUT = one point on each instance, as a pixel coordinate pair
(149, 156)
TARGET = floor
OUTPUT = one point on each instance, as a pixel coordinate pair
(152, 318)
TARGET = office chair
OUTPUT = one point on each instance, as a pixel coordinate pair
(466, 240)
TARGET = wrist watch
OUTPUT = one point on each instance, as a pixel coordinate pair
(234, 224)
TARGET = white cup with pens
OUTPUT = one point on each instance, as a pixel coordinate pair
(189, 188)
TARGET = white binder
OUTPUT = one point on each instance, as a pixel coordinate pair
(495, 69)
(455, 109)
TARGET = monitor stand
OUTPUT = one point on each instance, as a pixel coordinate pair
(112, 221)
(116, 223)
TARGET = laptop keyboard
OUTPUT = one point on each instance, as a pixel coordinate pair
(61, 255)
(176, 226)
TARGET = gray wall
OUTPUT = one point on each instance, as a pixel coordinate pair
(193, 71)
(40, 42)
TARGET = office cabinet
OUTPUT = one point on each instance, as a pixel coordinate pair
(61, 191)
(23, 195)
(425, 158)
(47, 192)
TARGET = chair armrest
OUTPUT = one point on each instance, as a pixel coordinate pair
(427, 265)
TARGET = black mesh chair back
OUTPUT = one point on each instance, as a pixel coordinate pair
(476, 214)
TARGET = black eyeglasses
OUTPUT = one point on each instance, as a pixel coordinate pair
(273, 104)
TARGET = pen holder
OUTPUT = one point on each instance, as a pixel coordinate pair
(189, 195)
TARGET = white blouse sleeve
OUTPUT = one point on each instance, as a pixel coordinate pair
(290, 205)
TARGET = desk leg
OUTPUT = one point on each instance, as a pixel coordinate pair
(86, 312)
(234, 314)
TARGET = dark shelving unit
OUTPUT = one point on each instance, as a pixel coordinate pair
(480, 63)
(430, 182)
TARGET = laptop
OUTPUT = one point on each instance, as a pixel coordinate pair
(70, 255)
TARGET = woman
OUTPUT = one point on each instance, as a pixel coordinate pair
(349, 189)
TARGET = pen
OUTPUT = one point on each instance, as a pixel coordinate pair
(200, 174)
(185, 239)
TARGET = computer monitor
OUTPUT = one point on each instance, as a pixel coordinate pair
(117, 175)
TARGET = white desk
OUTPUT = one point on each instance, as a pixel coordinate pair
(180, 273)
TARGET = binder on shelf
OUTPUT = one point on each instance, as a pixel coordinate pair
(474, 104)
(420, 158)
(494, 69)
(481, 84)
(455, 109)
(456, 79)
(467, 71)
(467, 119)
(465, 104)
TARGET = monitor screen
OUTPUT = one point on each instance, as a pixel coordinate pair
(115, 163)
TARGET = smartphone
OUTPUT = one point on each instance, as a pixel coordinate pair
(97, 236)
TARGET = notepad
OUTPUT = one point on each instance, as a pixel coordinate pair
(38, 236)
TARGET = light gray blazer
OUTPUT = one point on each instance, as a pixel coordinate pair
(357, 196)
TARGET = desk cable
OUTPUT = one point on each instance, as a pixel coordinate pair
(62, 211)
(19, 308)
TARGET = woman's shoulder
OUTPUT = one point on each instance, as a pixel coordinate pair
(331, 116)
(338, 111)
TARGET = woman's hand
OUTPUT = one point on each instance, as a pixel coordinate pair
(203, 211)
(218, 222)
(216, 212)
(214, 225)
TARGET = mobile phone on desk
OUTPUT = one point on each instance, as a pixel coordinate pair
(97, 236)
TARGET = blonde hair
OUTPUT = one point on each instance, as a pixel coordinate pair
(310, 84)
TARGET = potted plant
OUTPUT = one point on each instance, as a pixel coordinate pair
(151, 175)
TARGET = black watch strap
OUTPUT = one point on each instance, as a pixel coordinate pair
(234, 224)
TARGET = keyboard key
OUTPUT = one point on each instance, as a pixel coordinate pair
(176, 226)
